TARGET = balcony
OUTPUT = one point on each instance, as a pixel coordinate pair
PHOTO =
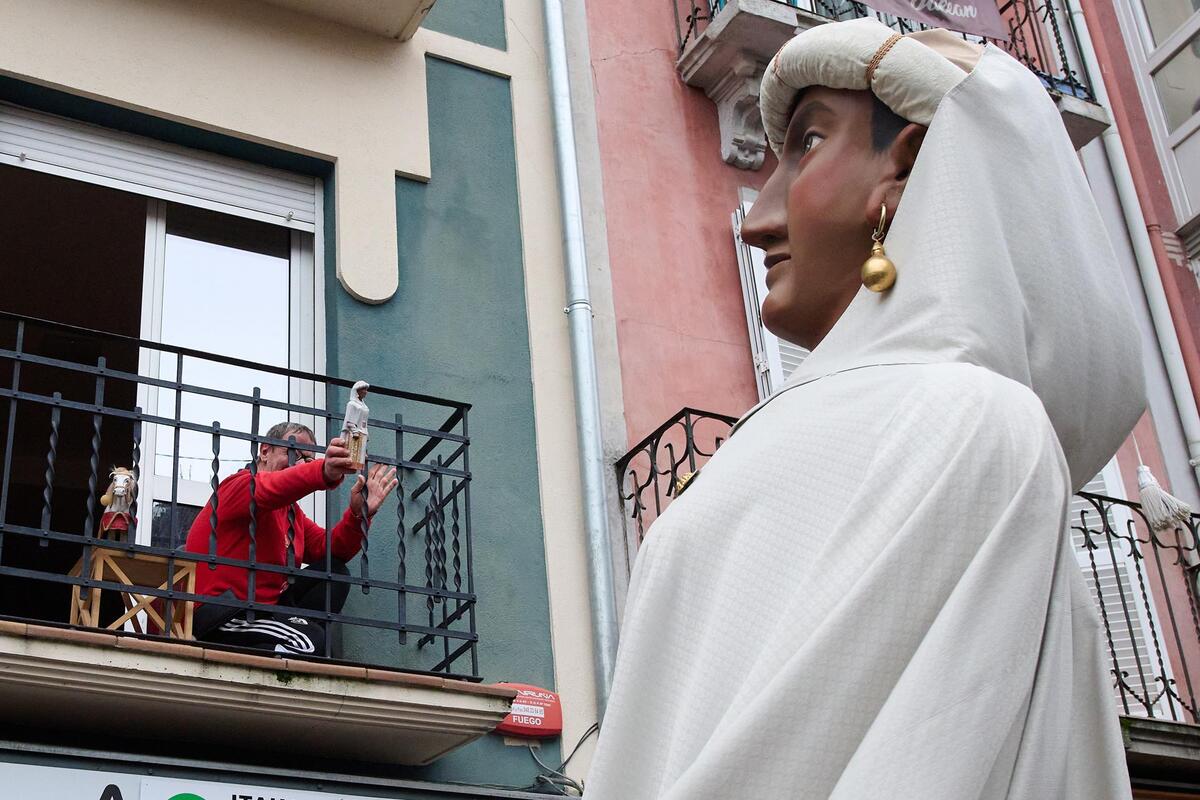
(724, 46)
(95, 622)
(1144, 584)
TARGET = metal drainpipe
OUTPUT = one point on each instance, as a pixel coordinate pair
(1143, 250)
(583, 359)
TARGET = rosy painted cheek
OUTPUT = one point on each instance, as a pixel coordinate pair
(818, 198)
(810, 190)
(803, 207)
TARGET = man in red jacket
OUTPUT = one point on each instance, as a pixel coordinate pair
(277, 490)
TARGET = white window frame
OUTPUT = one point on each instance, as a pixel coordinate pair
(306, 354)
(770, 353)
(1147, 58)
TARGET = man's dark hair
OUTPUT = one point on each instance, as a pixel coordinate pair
(283, 430)
(885, 125)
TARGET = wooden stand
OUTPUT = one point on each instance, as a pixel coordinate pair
(136, 571)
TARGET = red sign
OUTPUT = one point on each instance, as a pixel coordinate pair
(536, 712)
(979, 17)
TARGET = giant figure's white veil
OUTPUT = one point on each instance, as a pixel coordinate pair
(1002, 257)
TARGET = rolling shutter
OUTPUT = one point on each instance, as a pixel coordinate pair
(774, 359)
(145, 166)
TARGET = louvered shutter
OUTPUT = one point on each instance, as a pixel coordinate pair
(1132, 621)
(148, 167)
(774, 359)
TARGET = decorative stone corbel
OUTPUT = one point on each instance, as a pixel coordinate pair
(727, 58)
(743, 140)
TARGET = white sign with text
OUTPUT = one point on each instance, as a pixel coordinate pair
(33, 782)
(176, 789)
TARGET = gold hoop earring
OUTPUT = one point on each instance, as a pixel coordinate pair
(878, 271)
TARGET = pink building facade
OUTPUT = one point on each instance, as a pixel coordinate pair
(677, 152)
(680, 323)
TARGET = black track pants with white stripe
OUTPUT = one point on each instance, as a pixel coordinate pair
(281, 632)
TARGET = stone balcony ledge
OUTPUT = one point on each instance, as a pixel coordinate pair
(84, 680)
(1160, 750)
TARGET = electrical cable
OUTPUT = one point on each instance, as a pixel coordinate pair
(562, 779)
(556, 780)
(595, 728)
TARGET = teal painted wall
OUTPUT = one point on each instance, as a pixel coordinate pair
(480, 21)
(457, 328)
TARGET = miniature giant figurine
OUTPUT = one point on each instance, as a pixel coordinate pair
(118, 501)
(354, 429)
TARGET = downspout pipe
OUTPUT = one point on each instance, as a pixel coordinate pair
(1143, 250)
(583, 359)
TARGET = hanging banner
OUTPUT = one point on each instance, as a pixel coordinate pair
(978, 17)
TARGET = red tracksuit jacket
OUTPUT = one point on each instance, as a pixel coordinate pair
(273, 493)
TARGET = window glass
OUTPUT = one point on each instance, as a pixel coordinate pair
(1178, 84)
(225, 291)
(162, 534)
(1166, 16)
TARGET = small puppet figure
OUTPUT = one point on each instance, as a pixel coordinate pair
(354, 429)
(118, 501)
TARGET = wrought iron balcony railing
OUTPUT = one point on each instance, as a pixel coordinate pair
(650, 471)
(76, 402)
(1144, 582)
(1036, 33)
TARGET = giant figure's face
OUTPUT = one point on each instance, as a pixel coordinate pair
(815, 214)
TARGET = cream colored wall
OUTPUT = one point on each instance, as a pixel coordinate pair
(269, 75)
(553, 394)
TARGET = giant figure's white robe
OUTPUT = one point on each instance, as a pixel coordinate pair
(899, 621)
(868, 593)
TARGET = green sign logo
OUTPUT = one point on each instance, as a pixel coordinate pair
(186, 796)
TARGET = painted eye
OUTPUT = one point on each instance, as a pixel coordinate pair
(810, 141)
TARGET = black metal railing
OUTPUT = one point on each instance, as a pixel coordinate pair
(650, 472)
(75, 401)
(1144, 583)
(1036, 33)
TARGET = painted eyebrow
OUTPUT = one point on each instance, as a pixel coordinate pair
(804, 113)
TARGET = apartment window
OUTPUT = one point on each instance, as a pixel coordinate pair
(1178, 84)
(1164, 44)
(131, 236)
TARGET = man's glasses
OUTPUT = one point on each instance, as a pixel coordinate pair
(301, 456)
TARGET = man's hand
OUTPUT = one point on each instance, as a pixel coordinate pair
(337, 462)
(379, 485)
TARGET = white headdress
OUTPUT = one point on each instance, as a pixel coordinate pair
(1003, 259)
(910, 74)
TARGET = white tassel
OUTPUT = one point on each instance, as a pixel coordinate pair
(1162, 510)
